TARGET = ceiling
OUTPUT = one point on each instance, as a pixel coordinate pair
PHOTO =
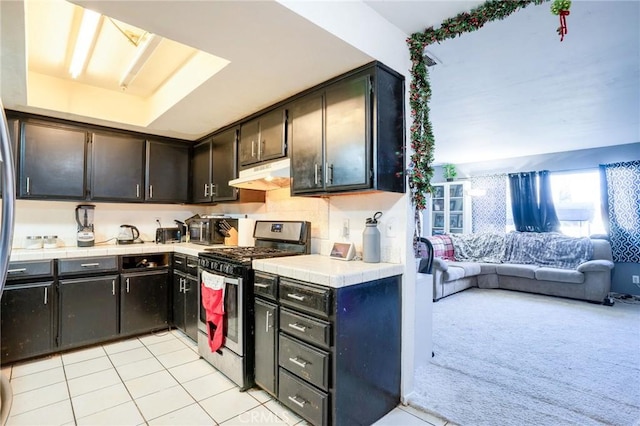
(510, 89)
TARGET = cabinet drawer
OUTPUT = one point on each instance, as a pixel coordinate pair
(311, 404)
(266, 285)
(306, 297)
(306, 328)
(192, 266)
(87, 265)
(305, 361)
(180, 262)
(30, 269)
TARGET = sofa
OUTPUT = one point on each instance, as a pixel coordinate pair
(544, 263)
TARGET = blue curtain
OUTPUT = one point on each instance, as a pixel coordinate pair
(621, 209)
(532, 202)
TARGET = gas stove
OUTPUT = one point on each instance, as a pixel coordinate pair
(272, 239)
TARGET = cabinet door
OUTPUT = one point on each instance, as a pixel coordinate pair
(249, 143)
(272, 135)
(178, 307)
(223, 159)
(201, 167)
(306, 144)
(27, 321)
(52, 162)
(117, 167)
(348, 134)
(167, 172)
(13, 128)
(144, 301)
(192, 307)
(265, 349)
(88, 310)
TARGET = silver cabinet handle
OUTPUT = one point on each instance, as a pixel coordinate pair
(299, 402)
(184, 288)
(261, 148)
(329, 173)
(179, 262)
(191, 265)
(315, 173)
(299, 362)
(46, 294)
(137, 190)
(266, 326)
(90, 265)
(150, 191)
(127, 285)
(113, 287)
(28, 185)
(214, 189)
(295, 296)
(298, 327)
(260, 285)
(253, 149)
(206, 190)
(16, 271)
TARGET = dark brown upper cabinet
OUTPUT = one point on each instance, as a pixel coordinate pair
(167, 172)
(117, 167)
(348, 136)
(263, 138)
(52, 161)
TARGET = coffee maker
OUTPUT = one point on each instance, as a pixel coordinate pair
(84, 218)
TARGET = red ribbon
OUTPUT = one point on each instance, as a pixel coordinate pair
(563, 23)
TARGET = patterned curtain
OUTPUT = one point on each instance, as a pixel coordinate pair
(621, 209)
(532, 202)
(489, 210)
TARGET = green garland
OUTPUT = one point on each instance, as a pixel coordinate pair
(422, 141)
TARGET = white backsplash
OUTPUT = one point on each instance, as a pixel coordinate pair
(326, 214)
(58, 218)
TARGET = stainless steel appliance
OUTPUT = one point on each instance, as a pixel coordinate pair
(233, 265)
(84, 219)
(212, 230)
(168, 235)
(128, 234)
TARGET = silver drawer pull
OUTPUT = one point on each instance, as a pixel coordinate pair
(46, 295)
(179, 262)
(89, 265)
(299, 402)
(260, 285)
(295, 296)
(298, 362)
(16, 271)
(298, 327)
(191, 265)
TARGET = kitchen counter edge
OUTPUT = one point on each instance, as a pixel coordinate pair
(325, 271)
(107, 250)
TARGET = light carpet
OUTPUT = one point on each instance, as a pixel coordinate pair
(510, 358)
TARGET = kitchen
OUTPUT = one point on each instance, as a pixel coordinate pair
(331, 218)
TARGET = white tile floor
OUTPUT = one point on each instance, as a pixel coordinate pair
(157, 379)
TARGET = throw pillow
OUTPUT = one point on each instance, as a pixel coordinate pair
(442, 247)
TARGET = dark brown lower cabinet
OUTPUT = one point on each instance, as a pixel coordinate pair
(27, 320)
(266, 333)
(144, 301)
(337, 351)
(88, 310)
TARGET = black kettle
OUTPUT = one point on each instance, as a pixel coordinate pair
(128, 234)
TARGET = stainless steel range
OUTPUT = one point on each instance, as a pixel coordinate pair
(231, 267)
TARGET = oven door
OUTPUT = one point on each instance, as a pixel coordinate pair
(233, 314)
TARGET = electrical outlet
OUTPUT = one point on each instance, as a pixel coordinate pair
(635, 279)
(345, 228)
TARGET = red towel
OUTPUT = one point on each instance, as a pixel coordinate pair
(212, 289)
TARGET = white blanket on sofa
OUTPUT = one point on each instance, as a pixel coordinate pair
(547, 249)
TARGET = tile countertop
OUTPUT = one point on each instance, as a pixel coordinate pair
(107, 250)
(325, 271)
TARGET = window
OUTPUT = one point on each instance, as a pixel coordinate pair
(576, 196)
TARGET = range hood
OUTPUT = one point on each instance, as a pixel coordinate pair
(265, 177)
